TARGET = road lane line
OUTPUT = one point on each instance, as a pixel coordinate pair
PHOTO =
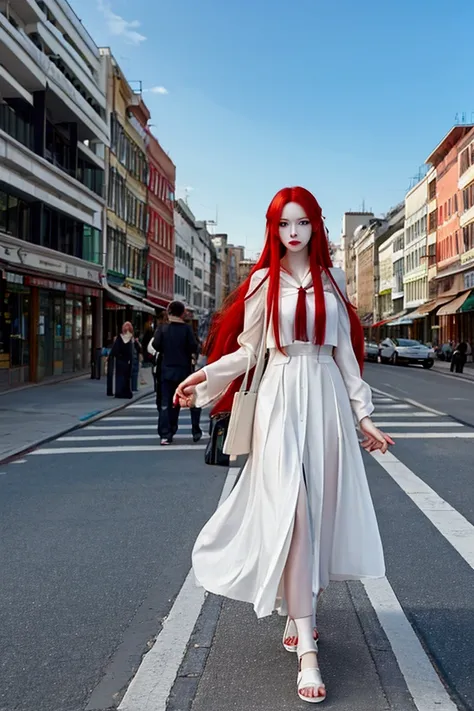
(388, 413)
(390, 423)
(117, 448)
(434, 435)
(423, 683)
(120, 428)
(412, 402)
(120, 437)
(152, 684)
(450, 523)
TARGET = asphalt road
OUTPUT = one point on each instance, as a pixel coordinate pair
(96, 533)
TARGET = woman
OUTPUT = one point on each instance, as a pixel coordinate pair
(122, 353)
(301, 513)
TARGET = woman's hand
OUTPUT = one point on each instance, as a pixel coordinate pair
(185, 394)
(373, 437)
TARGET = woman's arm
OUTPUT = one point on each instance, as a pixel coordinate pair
(359, 392)
(212, 380)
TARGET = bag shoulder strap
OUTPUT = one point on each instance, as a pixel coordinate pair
(260, 364)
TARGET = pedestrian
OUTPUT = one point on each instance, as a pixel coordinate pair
(301, 513)
(459, 358)
(177, 346)
(147, 338)
(136, 362)
(121, 358)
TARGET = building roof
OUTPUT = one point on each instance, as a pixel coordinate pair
(449, 141)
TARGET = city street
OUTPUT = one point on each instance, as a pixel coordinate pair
(97, 529)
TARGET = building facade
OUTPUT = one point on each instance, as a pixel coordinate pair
(447, 162)
(185, 236)
(127, 179)
(53, 132)
(160, 225)
(350, 222)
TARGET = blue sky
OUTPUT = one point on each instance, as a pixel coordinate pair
(345, 98)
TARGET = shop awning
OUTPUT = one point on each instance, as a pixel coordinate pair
(429, 307)
(403, 318)
(452, 307)
(126, 300)
(366, 320)
(381, 323)
(468, 305)
(157, 303)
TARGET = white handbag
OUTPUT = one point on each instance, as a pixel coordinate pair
(240, 428)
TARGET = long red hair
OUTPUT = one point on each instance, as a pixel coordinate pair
(228, 323)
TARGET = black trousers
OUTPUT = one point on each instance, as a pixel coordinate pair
(458, 362)
(168, 414)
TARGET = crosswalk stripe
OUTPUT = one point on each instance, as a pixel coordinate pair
(386, 413)
(449, 522)
(120, 428)
(434, 435)
(109, 438)
(390, 423)
(117, 448)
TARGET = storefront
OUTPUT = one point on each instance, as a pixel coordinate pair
(121, 306)
(50, 322)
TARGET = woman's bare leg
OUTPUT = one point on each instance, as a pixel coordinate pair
(298, 584)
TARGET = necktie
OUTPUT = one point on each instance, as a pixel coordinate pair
(301, 329)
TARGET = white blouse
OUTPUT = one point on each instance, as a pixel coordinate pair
(222, 372)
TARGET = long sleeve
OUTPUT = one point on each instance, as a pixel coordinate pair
(221, 373)
(359, 391)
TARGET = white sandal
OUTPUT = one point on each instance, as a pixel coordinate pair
(309, 679)
(291, 631)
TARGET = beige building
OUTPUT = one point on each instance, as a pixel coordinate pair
(245, 267)
(350, 222)
(127, 176)
(415, 278)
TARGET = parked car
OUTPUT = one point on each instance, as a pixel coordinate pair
(371, 351)
(405, 350)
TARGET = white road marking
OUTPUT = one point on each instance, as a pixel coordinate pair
(136, 418)
(417, 424)
(107, 438)
(151, 686)
(388, 413)
(434, 435)
(412, 402)
(423, 683)
(119, 428)
(117, 448)
(19, 461)
(449, 522)
(152, 406)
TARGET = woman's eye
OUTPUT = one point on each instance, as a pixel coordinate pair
(304, 222)
(283, 223)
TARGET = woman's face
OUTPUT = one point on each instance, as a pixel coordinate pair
(295, 229)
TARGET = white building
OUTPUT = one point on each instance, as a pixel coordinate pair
(185, 236)
(52, 137)
(350, 222)
(415, 279)
(386, 278)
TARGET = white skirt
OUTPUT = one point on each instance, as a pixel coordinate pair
(304, 431)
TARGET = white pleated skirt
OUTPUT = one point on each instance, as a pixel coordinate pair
(304, 432)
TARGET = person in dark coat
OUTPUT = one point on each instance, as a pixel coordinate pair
(122, 357)
(459, 358)
(177, 345)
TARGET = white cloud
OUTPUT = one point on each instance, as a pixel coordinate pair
(117, 26)
(158, 90)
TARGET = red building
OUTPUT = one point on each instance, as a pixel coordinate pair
(160, 226)
(452, 160)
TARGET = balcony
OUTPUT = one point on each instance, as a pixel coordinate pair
(74, 64)
(466, 217)
(466, 178)
(27, 64)
(37, 179)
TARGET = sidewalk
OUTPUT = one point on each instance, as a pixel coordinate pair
(441, 366)
(32, 415)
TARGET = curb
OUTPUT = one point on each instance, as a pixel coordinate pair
(22, 451)
(459, 376)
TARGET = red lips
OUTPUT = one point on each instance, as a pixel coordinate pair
(294, 242)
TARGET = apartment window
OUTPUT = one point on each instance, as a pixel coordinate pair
(468, 237)
(440, 215)
(14, 216)
(116, 251)
(467, 159)
(432, 190)
(17, 123)
(432, 221)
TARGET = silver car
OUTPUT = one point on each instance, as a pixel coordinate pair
(406, 351)
(371, 351)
